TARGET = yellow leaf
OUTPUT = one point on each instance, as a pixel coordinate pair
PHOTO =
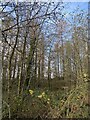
(40, 96)
(31, 92)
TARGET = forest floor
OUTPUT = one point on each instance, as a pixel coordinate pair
(66, 102)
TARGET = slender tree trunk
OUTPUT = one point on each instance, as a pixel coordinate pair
(14, 70)
(39, 71)
(21, 82)
(63, 62)
(89, 57)
(35, 75)
(30, 63)
(42, 62)
(49, 70)
(58, 63)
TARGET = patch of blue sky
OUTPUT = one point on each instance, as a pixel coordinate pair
(9, 10)
(54, 1)
(73, 8)
(70, 11)
(74, 1)
(45, 1)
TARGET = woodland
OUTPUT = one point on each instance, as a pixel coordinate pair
(45, 60)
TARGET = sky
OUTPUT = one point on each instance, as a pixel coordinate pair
(76, 5)
(57, 0)
(71, 7)
(82, 5)
(47, 0)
